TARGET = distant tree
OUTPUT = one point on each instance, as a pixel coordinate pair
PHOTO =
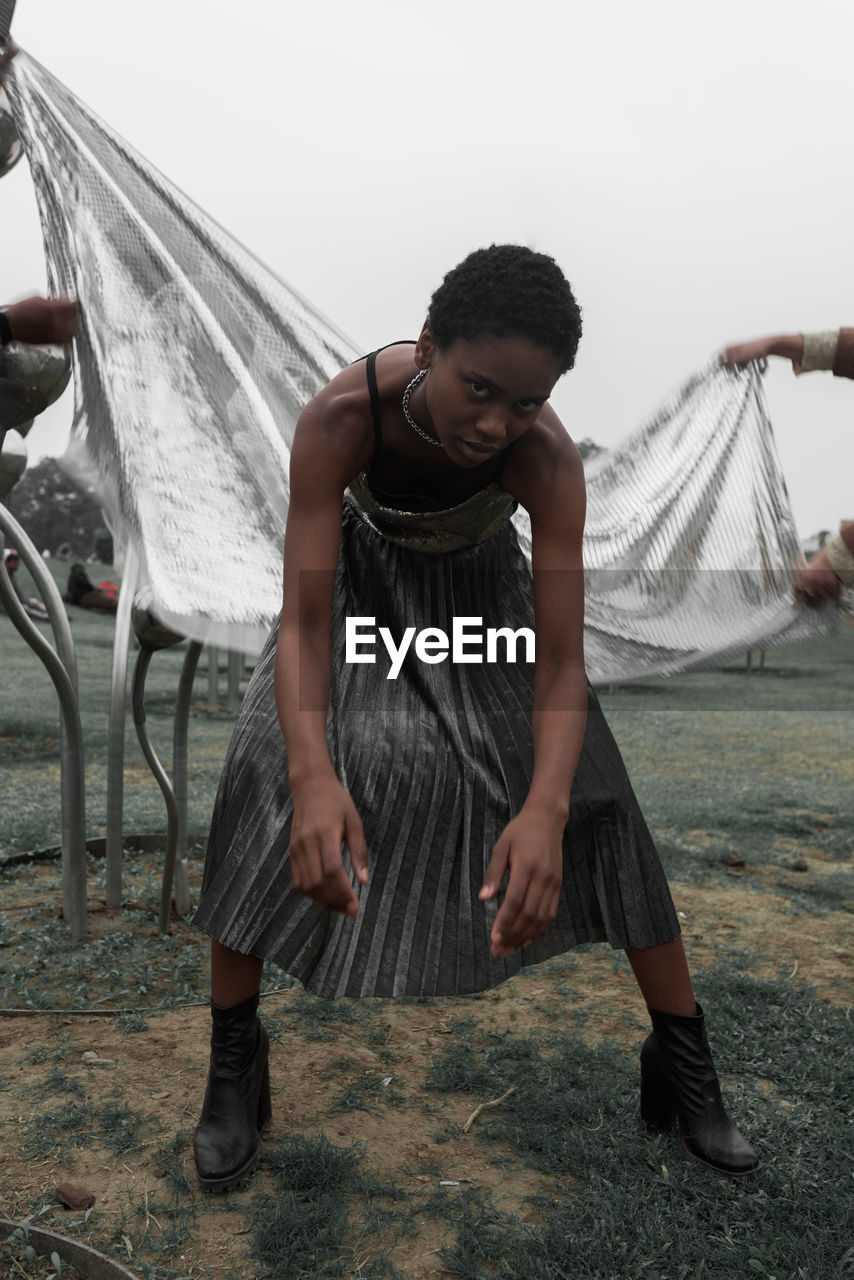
(54, 509)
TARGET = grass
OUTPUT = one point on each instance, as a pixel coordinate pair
(558, 1180)
(573, 1118)
(29, 731)
(758, 763)
(303, 1227)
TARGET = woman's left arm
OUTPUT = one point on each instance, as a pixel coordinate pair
(547, 476)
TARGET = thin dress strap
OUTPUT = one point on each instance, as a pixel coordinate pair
(373, 390)
(371, 369)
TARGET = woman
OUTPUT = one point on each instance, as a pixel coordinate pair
(368, 855)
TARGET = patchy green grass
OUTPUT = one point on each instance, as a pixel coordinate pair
(748, 784)
(29, 731)
(758, 764)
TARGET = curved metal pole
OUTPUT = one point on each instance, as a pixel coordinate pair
(116, 731)
(48, 589)
(73, 798)
(137, 698)
(235, 667)
(213, 677)
(179, 781)
(73, 789)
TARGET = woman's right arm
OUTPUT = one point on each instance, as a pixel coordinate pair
(832, 350)
(790, 346)
(330, 445)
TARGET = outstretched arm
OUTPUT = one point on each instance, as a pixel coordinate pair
(832, 350)
(788, 346)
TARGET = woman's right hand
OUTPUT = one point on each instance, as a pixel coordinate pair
(324, 818)
(788, 346)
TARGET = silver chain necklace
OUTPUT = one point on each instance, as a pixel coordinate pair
(419, 377)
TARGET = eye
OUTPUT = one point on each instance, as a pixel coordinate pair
(527, 405)
(480, 389)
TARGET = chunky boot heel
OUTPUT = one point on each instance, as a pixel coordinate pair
(677, 1058)
(237, 1100)
(658, 1101)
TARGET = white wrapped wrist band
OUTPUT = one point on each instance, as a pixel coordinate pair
(819, 351)
(840, 559)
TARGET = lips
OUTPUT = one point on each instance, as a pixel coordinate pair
(478, 450)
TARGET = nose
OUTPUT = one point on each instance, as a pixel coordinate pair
(491, 426)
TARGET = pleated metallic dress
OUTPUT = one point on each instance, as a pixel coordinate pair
(437, 761)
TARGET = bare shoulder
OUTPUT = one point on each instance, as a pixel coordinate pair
(545, 467)
(334, 433)
(395, 367)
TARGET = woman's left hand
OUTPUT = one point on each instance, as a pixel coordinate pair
(531, 848)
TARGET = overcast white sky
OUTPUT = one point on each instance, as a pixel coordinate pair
(690, 167)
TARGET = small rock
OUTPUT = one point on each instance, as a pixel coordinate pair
(73, 1196)
(681, 915)
(734, 859)
(90, 1056)
(800, 864)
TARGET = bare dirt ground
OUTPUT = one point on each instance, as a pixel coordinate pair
(159, 1074)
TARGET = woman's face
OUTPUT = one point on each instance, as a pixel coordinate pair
(481, 394)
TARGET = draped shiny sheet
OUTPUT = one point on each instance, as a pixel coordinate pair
(193, 362)
(690, 540)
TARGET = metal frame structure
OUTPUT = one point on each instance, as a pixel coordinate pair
(61, 663)
(175, 867)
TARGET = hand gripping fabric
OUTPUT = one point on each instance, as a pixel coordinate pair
(689, 542)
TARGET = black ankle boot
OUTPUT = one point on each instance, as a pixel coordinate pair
(237, 1108)
(679, 1083)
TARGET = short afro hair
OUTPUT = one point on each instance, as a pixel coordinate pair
(508, 291)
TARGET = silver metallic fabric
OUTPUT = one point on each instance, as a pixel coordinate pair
(193, 362)
(7, 9)
(690, 541)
